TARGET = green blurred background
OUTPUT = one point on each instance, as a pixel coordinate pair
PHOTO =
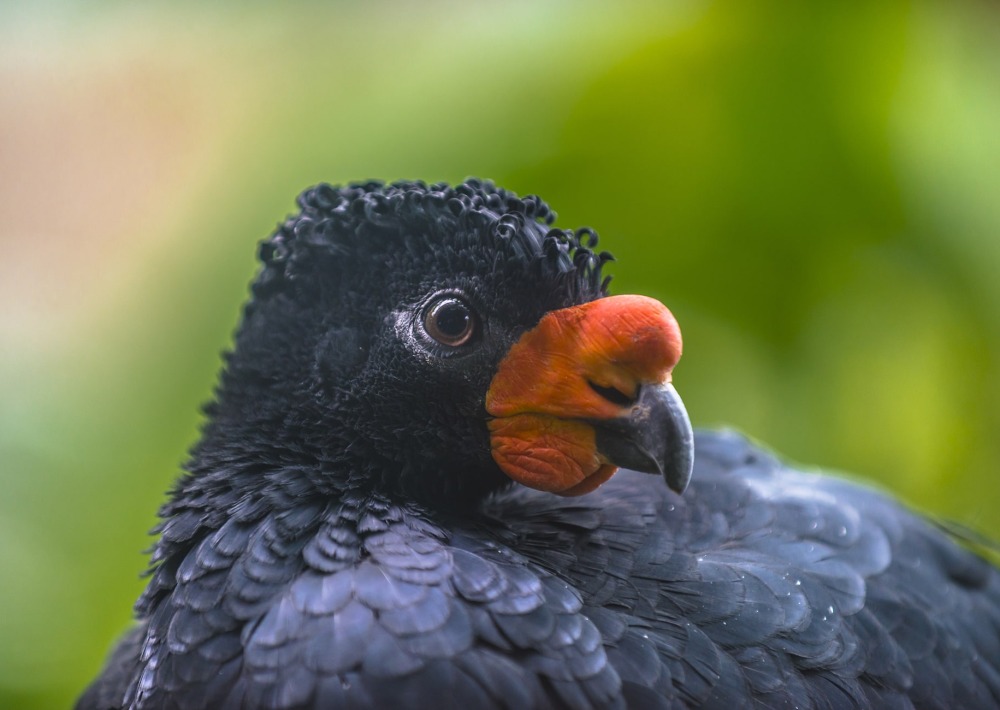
(811, 187)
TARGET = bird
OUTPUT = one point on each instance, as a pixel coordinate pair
(445, 467)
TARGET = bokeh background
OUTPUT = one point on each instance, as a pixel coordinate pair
(814, 189)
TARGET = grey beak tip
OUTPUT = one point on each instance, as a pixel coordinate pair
(679, 463)
(678, 476)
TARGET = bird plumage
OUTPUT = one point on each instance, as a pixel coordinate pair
(343, 538)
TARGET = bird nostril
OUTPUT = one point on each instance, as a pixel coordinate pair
(614, 395)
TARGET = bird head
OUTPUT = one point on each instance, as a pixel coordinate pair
(442, 341)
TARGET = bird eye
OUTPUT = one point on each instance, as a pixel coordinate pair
(450, 322)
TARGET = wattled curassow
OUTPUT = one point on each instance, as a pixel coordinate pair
(406, 495)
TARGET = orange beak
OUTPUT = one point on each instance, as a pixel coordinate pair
(587, 390)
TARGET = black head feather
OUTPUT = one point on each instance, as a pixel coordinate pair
(328, 366)
(345, 224)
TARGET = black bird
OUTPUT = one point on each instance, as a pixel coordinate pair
(403, 497)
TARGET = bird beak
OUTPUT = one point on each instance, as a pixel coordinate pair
(588, 390)
(655, 436)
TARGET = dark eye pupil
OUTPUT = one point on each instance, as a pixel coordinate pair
(452, 319)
